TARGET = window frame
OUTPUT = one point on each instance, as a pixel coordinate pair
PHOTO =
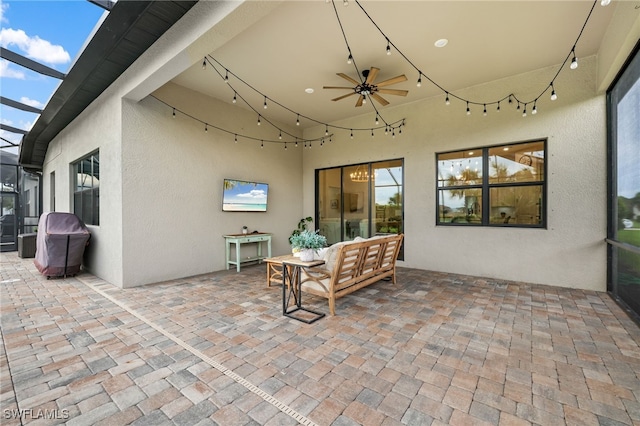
(93, 191)
(486, 186)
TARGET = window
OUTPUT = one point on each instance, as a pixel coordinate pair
(493, 186)
(86, 196)
(52, 192)
(624, 186)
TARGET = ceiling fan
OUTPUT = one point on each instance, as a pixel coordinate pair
(369, 88)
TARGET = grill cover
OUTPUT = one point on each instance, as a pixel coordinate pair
(60, 244)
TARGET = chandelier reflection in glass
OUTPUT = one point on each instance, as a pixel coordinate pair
(361, 174)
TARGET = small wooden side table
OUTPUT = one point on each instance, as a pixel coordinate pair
(291, 270)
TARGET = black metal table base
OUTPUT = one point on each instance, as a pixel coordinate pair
(294, 279)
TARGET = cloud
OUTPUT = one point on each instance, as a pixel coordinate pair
(3, 9)
(31, 102)
(34, 47)
(10, 72)
(255, 194)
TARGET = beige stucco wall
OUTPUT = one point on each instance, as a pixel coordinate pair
(173, 173)
(97, 128)
(571, 251)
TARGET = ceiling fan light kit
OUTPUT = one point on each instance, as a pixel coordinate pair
(368, 87)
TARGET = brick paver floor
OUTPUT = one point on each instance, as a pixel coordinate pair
(433, 349)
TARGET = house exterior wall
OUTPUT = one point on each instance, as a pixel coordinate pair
(97, 128)
(571, 252)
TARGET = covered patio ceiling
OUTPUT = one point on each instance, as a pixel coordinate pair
(297, 47)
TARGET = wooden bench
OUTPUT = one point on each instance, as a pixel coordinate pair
(352, 265)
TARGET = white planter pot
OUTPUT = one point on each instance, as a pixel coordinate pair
(306, 255)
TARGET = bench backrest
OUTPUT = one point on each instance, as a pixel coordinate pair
(360, 260)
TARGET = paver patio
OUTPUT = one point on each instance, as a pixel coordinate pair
(434, 349)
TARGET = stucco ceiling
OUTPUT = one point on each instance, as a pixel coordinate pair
(300, 45)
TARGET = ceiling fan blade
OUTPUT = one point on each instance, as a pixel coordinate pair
(394, 92)
(337, 87)
(393, 80)
(360, 101)
(344, 96)
(373, 72)
(380, 99)
(346, 77)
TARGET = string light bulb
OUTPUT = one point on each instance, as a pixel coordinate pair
(524, 111)
(350, 59)
(259, 119)
(204, 64)
(235, 97)
(419, 83)
(326, 130)
(498, 108)
(485, 110)
(174, 113)
(298, 120)
(553, 93)
(377, 119)
(388, 47)
(574, 61)
(468, 110)
(265, 103)
(206, 127)
(534, 110)
(226, 76)
(447, 101)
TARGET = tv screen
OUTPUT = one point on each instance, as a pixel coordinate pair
(244, 196)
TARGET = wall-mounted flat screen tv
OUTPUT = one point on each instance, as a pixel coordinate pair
(244, 196)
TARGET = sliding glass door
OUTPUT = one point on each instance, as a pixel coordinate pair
(360, 200)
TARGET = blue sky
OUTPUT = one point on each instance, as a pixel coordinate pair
(49, 32)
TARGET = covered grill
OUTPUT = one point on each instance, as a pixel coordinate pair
(60, 244)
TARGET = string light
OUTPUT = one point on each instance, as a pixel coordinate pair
(485, 110)
(447, 101)
(468, 110)
(235, 97)
(174, 113)
(498, 108)
(206, 128)
(524, 111)
(573, 63)
(258, 119)
(534, 110)
(226, 76)
(265, 103)
(350, 59)
(298, 120)
(204, 64)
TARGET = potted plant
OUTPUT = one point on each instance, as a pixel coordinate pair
(308, 243)
(302, 226)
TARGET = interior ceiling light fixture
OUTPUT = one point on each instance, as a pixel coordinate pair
(361, 174)
(369, 88)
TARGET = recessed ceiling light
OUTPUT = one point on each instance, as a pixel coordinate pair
(441, 43)
(309, 90)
